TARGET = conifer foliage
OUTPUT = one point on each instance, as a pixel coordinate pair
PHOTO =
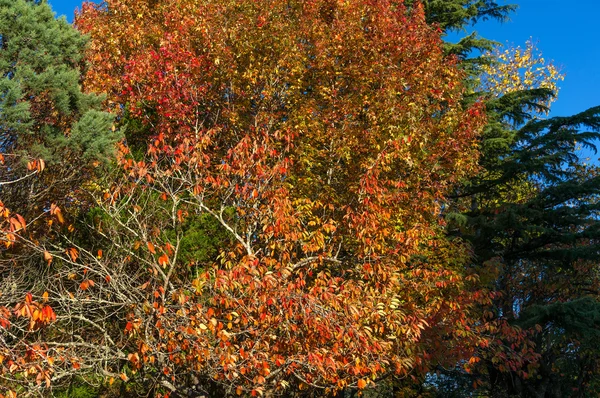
(47, 121)
(531, 215)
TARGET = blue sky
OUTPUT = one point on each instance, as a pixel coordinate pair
(566, 32)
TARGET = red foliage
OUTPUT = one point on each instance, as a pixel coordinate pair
(323, 136)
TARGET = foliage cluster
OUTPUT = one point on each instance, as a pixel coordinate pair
(290, 198)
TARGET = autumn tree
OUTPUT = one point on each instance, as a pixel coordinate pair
(305, 193)
(322, 139)
(515, 69)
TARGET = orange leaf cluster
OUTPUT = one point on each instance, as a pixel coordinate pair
(323, 136)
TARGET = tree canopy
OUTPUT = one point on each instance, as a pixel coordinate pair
(290, 198)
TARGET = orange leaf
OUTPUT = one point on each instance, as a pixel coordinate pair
(10, 239)
(163, 260)
(73, 253)
(47, 257)
(55, 211)
(151, 247)
(15, 225)
(362, 383)
(21, 221)
(169, 248)
(48, 314)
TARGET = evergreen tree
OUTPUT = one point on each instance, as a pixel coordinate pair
(454, 16)
(531, 216)
(534, 216)
(52, 135)
(54, 140)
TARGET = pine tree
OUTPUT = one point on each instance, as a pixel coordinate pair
(453, 16)
(531, 216)
(52, 134)
(54, 138)
(534, 215)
